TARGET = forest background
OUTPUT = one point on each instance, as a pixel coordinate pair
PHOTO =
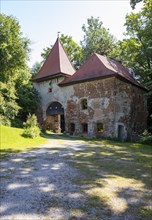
(19, 98)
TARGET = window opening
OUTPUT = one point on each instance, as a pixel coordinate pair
(85, 128)
(49, 89)
(100, 127)
(84, 104)
(121, 133)
(72, 128)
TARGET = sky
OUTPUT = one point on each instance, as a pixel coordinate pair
(41, 20)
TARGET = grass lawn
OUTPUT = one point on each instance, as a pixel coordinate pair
(115, 178)
(12, 141)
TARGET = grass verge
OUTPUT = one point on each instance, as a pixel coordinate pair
(12, 141)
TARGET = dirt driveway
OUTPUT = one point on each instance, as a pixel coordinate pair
(43, 184)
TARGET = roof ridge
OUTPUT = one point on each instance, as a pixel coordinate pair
(58, 41)
(65, 53)
(57, 62)
(107, 60)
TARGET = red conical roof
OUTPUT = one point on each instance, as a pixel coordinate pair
(56, 63)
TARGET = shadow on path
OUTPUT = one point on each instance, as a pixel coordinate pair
(62, 179)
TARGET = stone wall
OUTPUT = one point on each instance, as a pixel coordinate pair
(114, 108)
(131, 108)
(100, 107)
(112, 102)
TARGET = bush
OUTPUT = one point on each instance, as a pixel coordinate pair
(17, 123)
(146, 138)
(31, 128)
(4, 121)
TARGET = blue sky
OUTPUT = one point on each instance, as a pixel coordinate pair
(41, 20)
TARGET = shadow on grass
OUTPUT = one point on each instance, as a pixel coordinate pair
(107, 180)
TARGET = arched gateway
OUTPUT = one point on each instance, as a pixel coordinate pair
(55, 117)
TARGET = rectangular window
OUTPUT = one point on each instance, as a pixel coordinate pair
(99, 127)
(72, 128)
(49, 89)
(84, 104)
(85, 128)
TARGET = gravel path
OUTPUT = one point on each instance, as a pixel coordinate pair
(41, 184)
(38, 184)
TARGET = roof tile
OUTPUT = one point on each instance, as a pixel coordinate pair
(57, 62)
(98, 66)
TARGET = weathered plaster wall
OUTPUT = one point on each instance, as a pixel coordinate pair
(59, 94)
(100, 97)
(111, 101)
(131, 108)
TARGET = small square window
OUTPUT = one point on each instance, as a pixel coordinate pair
(85, 128)
(84, 104)
(49, 89)
(99, 127)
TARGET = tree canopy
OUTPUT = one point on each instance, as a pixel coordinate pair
(136, 49)
(14, 71)
(134, 2)
(14, 49)
(97, 39)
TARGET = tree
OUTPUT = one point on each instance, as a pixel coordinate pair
(136, 50)
(73, 50)
(28, 99)
(14, 72)
(8, 106)
(14, 49)
(134, 2)
(97, 39)
(36, 67)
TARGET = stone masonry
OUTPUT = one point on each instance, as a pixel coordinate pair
(101, 99)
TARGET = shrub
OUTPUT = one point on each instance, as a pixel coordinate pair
(146, 138)
(4, 121)
(17, 123)
(31, 128)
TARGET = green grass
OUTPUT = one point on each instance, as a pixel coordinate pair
(112, 175)
(125, 167)
(12, 141)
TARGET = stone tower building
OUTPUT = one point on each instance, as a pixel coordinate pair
(100, 99)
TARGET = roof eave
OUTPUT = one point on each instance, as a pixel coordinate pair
(133, 83)
(50, 77)
(62, 84)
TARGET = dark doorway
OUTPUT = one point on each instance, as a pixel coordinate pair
(55, 109)
(62, 123)
(55, 117)
(72, 128)
(121, 136)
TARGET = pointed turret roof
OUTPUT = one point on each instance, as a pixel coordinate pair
(56, 64)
